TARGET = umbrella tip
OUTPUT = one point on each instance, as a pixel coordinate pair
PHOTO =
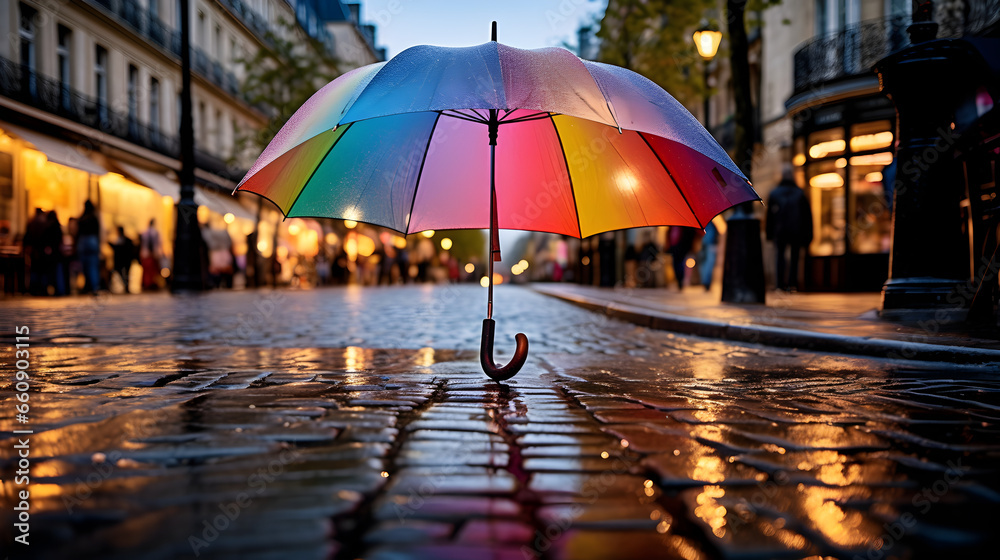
(494, 33)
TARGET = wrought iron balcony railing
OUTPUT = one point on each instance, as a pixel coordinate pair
(850, 52)
(21, 83)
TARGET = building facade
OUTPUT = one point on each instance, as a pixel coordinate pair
(90, 107)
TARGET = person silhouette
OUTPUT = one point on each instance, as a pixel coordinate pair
(789, 224)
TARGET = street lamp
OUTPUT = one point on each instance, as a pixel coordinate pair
(707, 40)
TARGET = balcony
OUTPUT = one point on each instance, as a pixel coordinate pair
(132, 15)
(848, 53)
(22, 84)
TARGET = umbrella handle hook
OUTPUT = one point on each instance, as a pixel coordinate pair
(495, 372)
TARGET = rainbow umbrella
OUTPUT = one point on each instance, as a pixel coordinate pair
(576, 148)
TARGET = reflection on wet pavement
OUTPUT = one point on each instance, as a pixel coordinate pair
(155, 436)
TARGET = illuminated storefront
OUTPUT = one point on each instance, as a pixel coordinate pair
(843, 160)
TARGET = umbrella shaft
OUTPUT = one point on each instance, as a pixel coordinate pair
(493, 226)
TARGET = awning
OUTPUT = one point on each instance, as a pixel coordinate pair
(163, 183)
(221, 203)
(56, 150)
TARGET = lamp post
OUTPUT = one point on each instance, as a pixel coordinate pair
(707, 40)
(187, 273)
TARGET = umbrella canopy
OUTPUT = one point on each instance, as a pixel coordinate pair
(583, 147)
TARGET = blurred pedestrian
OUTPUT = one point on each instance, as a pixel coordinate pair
(34, 251)
(88, 247)
(709, 250)
(150, 251)
(124, 253)
(54, 253)
(681, 240)
(789, 224)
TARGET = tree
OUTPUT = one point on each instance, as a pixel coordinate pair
(281, 76)
(652, 37)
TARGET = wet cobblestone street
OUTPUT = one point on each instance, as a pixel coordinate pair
(356, 423)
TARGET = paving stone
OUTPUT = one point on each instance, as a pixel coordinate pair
(487, 531)
(452, 509)
(586, 544)
(408, 531)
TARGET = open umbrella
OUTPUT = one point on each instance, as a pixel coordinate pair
(576, 148)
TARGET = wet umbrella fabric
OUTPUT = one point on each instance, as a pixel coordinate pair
(580, 148)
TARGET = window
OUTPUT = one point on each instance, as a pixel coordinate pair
(133, 101)
(154, 8)
(154, 105)
(200, 132)
(101, 80)
(65, 65)
(218, 136)
(200, 30)
(217, 42)
(26, 32)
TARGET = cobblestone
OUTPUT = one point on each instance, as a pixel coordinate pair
(317, 428)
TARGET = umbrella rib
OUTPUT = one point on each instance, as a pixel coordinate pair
(526, 118)
(315, 169)
(572, 189)
(420, 172)
(461, 116)
(671, 175)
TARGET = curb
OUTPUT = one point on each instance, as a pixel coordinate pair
(783, 337)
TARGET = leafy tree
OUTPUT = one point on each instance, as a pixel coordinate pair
(281, 76)
(652, 37)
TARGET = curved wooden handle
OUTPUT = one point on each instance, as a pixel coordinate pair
(495, 372)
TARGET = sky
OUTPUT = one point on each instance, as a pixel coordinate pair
(526, 24)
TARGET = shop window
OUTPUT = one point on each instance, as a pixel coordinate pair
(826, 143)
(101, 81)
(869, 209)
(870, 136)
(829, 208)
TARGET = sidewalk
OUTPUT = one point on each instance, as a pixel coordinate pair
(845, 323)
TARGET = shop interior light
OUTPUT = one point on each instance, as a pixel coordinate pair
(707, 41)
(881, 158)
(446, 243)
(331, 238)
(399, 242)
(840, 163)
(229, 218)
(366, 246)
(823, 149)
(470, 268)
(428, 234)
(350, 224)
(799, 160)
(826, 181)
(294, 229)
(874, 177)
(871, 141)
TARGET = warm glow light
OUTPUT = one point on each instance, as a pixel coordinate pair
(428, 234)
(707, 42)
(385, 474)
(827, 181)
(689, 263)
(799, 160)
(516, 270)
(203, 213)
(350, 224)
(871, 141)
(229, 218)
(523, 264)
(497, 278)
(874, 177)
(446, 243)
(351, 248)
(881, 158)
(840, 163)
(470, 268)
(294, 229)
(331, 238)
(585, 261)
(484, 281)
(263, 246)
(282, 253)
(168, 201)
(366, 246)
(824, 149)
(399, 242)
(165, 272)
